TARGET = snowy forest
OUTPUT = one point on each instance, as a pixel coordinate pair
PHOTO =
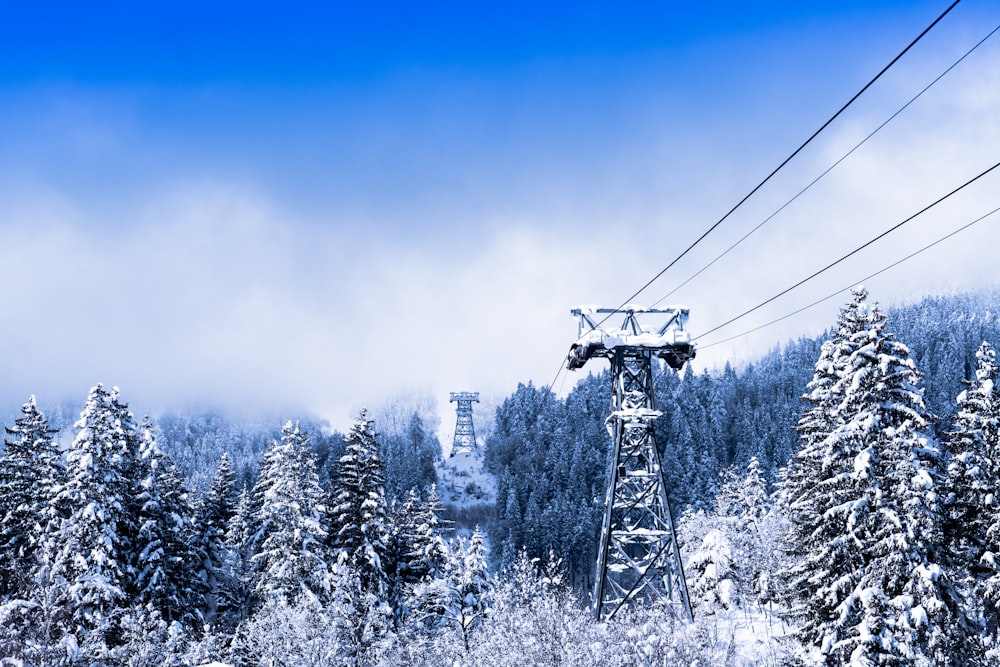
(835, 501)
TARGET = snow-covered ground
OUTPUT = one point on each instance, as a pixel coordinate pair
(753, 634)
(463, 483)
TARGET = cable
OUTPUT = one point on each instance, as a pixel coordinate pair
(785, 161)
(856, 282)
(853, 252)
(828, 169)
(775, 171)
(562, 367)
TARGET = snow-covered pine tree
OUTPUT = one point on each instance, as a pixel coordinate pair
(816, 489)
(972, 525)
(30, 473)
(745, 518)
(95, 539)
(461, 597)
(898, 515)
(710, 572)
(874, 583)
(358, 508)
(409, 460)
(471, 585)
(415, 550)
(292, 558)
(752, 499)
(135, 471)
(361, 619)
(33, 625)
(165, 559)
(239, 575)
(213, 513)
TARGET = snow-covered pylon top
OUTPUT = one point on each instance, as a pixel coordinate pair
(669, 340)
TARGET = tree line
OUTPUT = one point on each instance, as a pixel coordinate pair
(828, 485)
(105, 556)
(550, 455)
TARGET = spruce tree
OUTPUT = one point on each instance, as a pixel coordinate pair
(30, 474)
(895, 513)
(710, 571)
(743, 513)
(358, 508)
(972, 526)
(426, 551)
(415, 550)
(165, 560)
(239, 576)
(214, 511)
(292, 558)
(462, 596)
(816, 489)
(95, 540)
(873, 584)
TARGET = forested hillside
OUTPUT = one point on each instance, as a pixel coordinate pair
(550, 455)
(841, 487)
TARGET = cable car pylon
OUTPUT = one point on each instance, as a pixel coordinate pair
(638, 557)
(465, 431)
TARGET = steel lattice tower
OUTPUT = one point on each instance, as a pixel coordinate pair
(465, 432)
(638, 556)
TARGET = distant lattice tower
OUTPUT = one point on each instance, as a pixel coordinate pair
(465, 432)
(638, 556)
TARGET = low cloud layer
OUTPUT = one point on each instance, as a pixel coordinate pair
(284, 261)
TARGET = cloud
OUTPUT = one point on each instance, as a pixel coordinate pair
(215, 294)
(262, 252)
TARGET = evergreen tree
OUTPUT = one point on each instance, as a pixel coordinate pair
(292, 558)
(816, 488)
(215, 510)
(461, 597)
(415, 550)
(872, 585)
(710, 571)
(743, 514)
(240, 578)
(896, 512)
(358, 516)
(33, 625)
(972, 525)
(30, 474)
(95, 539)
(744, 497)
(409, 460)
(165, 560)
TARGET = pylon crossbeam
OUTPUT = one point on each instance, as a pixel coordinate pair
(638, 556)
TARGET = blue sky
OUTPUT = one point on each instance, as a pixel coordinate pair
(325, 204)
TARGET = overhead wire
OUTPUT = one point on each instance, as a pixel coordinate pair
(853, 283)
(784, 162)
(851, 253)
(827, 170)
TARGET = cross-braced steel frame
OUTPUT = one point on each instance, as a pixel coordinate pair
(638, 556)
(465, 431)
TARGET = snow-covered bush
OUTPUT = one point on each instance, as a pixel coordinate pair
(301, 634)
(710, 570)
